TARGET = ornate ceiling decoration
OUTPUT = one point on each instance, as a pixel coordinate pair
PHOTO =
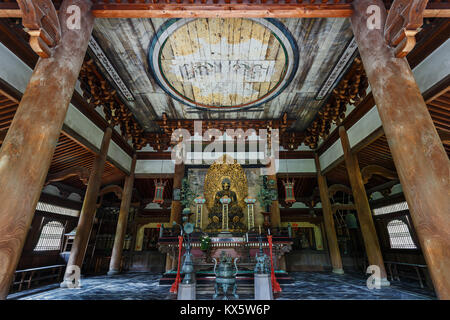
(101, 93)
(223, 64)
(350, 90)
(162, 141)
(402, 24)
(183, 52)
(42, 23)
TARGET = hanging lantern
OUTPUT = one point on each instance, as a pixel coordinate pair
(159, 191)
(289, 191)
(199, 201)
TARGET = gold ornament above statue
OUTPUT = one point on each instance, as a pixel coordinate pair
(226, 178)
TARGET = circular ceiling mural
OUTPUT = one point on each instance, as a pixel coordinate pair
(223, 64)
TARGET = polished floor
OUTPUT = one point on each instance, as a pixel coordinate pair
(306, 286)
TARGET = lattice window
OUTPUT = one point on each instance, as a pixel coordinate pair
(47, 207)
(399, 235)
(51, 236)
(401, 206)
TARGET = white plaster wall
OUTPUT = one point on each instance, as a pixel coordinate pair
(296, 166)
(331, 155)
(360, 130)
(79, 123)
(13, 70)
(364, 127)
(154, 166)
(434, 68)
(17, 74)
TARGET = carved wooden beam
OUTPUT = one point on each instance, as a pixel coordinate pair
(118, 191)
(369, 171)
(81, 172)
(291, 140)
(66, 190)
(403, 22)
(111, 188)
(332, 190)
(350, 90)
(42, 23)
(101, 93)
(170, 125)
(160, 141)
(223, 8)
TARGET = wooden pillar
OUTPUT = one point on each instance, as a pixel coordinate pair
(27, 150)
(333, 246)
(420, 159)
(175, 210)
(362, 207)
(89, 208)
(174, 263)
(282, 263)
(116, 255)
(168, 262)
(275, 218)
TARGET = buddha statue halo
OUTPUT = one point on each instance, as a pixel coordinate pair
(225, 177)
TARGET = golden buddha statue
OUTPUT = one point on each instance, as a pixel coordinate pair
(234, 210)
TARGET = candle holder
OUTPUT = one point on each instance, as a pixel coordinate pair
(225, 201)
(251, 212)
(199, 201)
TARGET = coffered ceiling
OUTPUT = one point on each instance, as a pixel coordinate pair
(223, 68)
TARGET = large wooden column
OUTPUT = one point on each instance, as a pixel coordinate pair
(362, 207)
(116, 255)
(89, 208)
(328, 220)
(175, 210)
(27, 150)
(275, 218)
(420, 159)
(168, 263)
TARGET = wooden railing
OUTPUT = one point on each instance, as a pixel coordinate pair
(33, 275)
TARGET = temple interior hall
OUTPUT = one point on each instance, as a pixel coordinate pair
(224, 149)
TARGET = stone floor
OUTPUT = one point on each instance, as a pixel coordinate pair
(306, 286)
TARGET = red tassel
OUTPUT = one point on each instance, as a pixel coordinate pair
(174, 288)
(275, 285)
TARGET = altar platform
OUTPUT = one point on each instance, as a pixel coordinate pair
(244, 277)
(236, 244)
